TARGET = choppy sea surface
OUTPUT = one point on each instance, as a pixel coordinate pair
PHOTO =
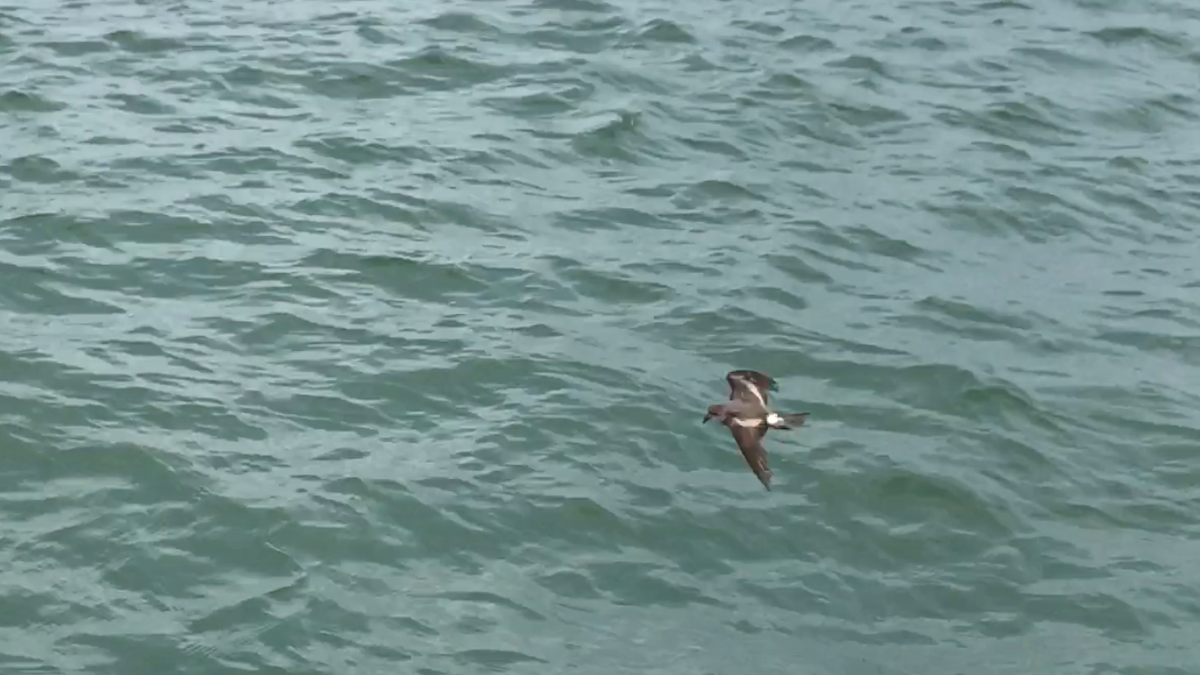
(374, 337)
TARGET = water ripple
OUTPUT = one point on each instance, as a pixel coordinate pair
(346, 337)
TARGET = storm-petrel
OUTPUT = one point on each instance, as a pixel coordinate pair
(748, 417)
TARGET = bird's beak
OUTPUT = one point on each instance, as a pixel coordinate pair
(707, 416)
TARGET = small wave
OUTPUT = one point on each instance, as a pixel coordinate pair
(16, 101)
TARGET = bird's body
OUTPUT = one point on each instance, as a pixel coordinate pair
(748, 417)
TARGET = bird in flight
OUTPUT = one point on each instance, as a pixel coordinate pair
(748, 416)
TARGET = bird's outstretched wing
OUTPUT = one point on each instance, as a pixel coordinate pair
(749, 441)
(749, 385)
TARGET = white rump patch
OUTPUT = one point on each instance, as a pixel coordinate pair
(774, 419)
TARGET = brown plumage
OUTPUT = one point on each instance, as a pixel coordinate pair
(748, 418)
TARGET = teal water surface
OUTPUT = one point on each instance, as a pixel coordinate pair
(375, 337)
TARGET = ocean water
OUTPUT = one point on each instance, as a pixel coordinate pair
(375, 337)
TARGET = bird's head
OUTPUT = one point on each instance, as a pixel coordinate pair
(714, 410)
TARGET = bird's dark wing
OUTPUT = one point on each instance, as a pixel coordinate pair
(749, 441)
(749, 385)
